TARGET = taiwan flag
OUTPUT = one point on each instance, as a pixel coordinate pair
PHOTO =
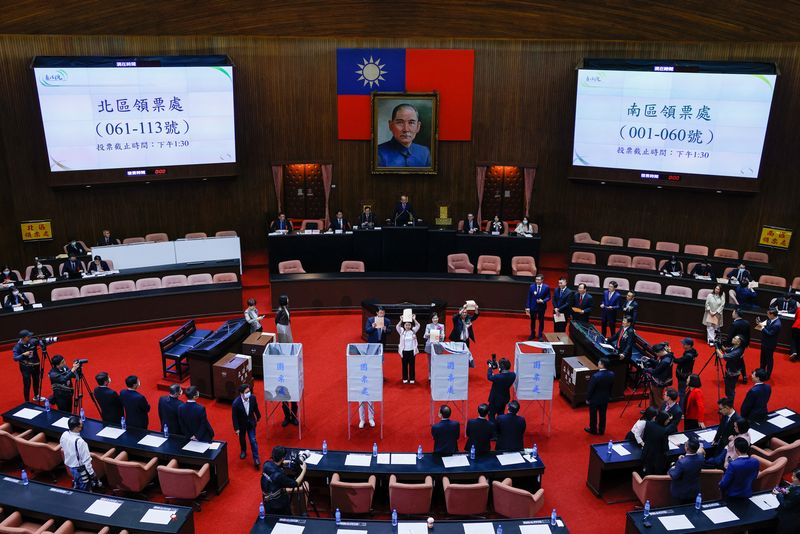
(363, 71)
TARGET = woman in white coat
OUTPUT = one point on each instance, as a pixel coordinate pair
(713, 317)
(408, 348)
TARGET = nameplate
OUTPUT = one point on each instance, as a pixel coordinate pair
(61, 491)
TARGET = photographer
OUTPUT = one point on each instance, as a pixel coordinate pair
(275, 480)
(500, 393)
(685, 366)
(26, 354)
(61, 379)
(77, 457)
(660, 372)
(733, 357)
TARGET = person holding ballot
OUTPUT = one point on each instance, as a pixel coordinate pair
(462, 323)
(562, 302)
(434, 333)
(535, 306)
(581, 305)
(408, 347)
(377, 327)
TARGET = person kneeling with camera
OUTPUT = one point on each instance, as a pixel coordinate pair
(275, 478)
(61, 378)
(77, 457)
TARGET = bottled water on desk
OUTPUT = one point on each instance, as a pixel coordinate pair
(24, 477)
(534, 452)
(374, 450)
(419, 452)
(610, 447)
(647, 508)
(472, 452)
(698, 502)
(553, 518)
(324, 447)
(338, 517)
(83, 416)
(46, 404)
(499, 529)
(122, 423)
(166, 430)
(394, 517)
(261, 512)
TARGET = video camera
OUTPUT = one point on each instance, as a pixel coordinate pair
(493, 362)
(81, 362)
(44, 341)
(295, 461)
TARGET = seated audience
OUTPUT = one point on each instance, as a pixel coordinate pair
(524, 228)
(7, 276)
(673, 267)
(98, 265)
(15, 298)
(367, 219)
(281, 224)
(72, 267)
(41, 271)
(704, 269)
(471, 226)
(74, 248)
(786, 303)
(741, 275)
(496, 226)
(339, 223)
(107, 239)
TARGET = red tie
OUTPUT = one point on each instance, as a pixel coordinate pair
(619, 339)
(581, 301)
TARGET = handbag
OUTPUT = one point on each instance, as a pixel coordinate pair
(86, 480)
(713, 320)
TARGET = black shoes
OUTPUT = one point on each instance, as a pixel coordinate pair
(242, 456)
(590, 431)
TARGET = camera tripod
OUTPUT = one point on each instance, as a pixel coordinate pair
(44, 359)
(643, 380)
(80, 385)
(717, 365)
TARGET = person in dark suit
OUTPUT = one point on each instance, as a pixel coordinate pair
(685, 474)
(788, 511)
(281, 224)
(754, 406)
(471, 226)
(672, 407)
(654, 452)
(703, 268)
(74, 248)
(26, 354)
(740, 327)
(581, 305)
(72, 267)
(624, 339)
(510, 429)
(746, 296)
(193, 418)
(98, 265)
(786, 303)
(597, 396)
(536, 304)
(107, 239)
(462, 326)
(111, 410)
(367, 218)
(403, 212)
(741, 274)
(339, 223)
(7, 276)
(770, 329)
(562, 303)
(41, 271)
(61, 378)
(500, 393)
(737, 482)
(168, 409)
(685, 366)
(246, 415)
(15, 298)
(377, 334)
(660, 370)
(727, 417)
(612, 301)
(672, 266)
(480, 431)
(136, 406)
(445, 433)
(630, 307)
(733, 356)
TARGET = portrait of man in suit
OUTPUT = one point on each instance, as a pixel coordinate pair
(404, 133)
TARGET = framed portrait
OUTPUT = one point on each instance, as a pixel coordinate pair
(405, 133)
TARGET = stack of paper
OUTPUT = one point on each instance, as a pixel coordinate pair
(620, 449)
(412, 528)
(286, 528)
(197, 446)
(460, 460)
(780, 421)
(478, 528)
(62, 423)
(152, 441)
(786, 412)
(404, 459)
(158, 515)
(722, 514)
(765, 501)
(676, 440)
(110, 432)
(358, 460)
(314, 458)
(676, 522)
(27, 413)
(104, 507)
(535, 529)
(706, 435)
(510, 458)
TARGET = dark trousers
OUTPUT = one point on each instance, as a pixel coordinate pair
(287, 413)
(596, 410)
(609, 320)
(767, 359)
(249, 434)
(682, 391)
(560, 327)
(409, 364)
(730, 385)
(495, 410)
(690, 424)
(795, 348)
(537, 315)
(63, 402)
(31, 378)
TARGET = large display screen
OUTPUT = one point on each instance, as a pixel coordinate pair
(673, 121)
(139, 116)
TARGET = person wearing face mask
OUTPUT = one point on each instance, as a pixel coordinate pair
(672, 267)
(246, 416)
(630, 307)
(111, 410)
(41, 272)
(168, 406)
(524, 228)
(72, 268)
(15, 298)
(74, 248)
(8, 276)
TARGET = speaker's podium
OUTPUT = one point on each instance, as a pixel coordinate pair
(205, 354)
(394, 311)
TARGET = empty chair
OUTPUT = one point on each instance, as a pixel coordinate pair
(174, 280)
(488, 264)
(92, 290)
(726, 253)
(350, 266)
(18, 524)
(466, 499)
(352, 497)
(678, 291)
(31, 298)
(224, 278)
(752, 255)
(622, 283)
(727, 272)
(199, 279)
(732, 297)
(196, 235)
(144, 284)
(645, 286)
(122, 286)
(8, 447)
(459, 264)
(410, 499)
(584, 237)
(709, 483)
(796, 283)
(591, 280)
(226, 233)
(99, 465)
(129, 476)
(668, 246)
(182, 484)
(523, 266)
(158, 237)
(643, 262)
(131, 240)
(586, 258)
(770, 473)
(703, 293)
(638, 242)
(780, 449)
(64, 293)
(698, 250)
(770, 280)
(611, 241)
(312, 224)
(38, 455)
(291, 267)
(619, 260)
(512, 502)
(69, 528)
(653, 488)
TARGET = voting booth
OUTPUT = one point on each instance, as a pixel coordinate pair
(283, 379)
(364, 379)
(535, 366)
(450, 377)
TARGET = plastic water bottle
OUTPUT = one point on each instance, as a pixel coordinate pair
(24, 478)
(374, 450)
(472, 452)
(46, 404)
(698, 501)
(499, 529)
(122, 424)
(261, 513)
(324, 447)
(610, 447)
(394, 517)
(419, 452)
(338, 517)
(535, 452)
(647, 508)
(83, 416)
(166, 430)
(553, 518)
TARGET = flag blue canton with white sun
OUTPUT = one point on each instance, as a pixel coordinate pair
(361, 71)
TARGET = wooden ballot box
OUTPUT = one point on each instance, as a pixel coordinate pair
(254, 346)
(563, 347)
(574, 382)
(230, 372)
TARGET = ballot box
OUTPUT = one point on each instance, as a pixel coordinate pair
(574, 382)
(231, 371)
(254, 346)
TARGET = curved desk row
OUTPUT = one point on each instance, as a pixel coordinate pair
(328, 526)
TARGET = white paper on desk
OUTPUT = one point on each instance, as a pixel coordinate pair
(786, 412)
(158, 516)
(286, 528)
(510, 458)
(404, 459)
(214, 445)
(706, 435)
(478, 528)
(412, 528)
(459, 460)
(62, 423)
(780, 421)
(675, 522)
(755, 435)
(104, 507)
(111, 433)
(358, 460)
(152, 441)
(197, 446)
(607, 346)
(765, 501)
(535, 529)
(350, 531)
(719, 515)
(676, 440)
(620, 449)
(27, 413)
(314, 458)
(384, 458)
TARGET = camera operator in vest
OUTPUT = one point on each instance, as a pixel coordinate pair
(734, 361)
(61, 379)
(660, 372)
(276, 476)
(26, 354)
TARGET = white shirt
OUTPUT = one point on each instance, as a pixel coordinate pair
(638, 431)
(73, 457)
(408, 338)
(246, 403)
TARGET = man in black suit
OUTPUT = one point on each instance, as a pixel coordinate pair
(703, 268)
(581, 305)
(685, 365)
(445, 433)
(281, 224)
(99, 265)
(770, 329)
(754, 406)
(672, 406)
(339, 223)
(26, 354)
(462, 326)
(367, 218)
(471, 226)
(733, 356)
(110, 406)
(597, 396)
(246, 415)
(741, 274)
(660, 370)
(135, 404)
(193, 418)
(480, 431)
(740, 327)
(500, 393)
(685, 474)
(107, 239)
(168, 409)
(510, 429)
(403, 212)
(562, 301)
(75, 249)
(72, 267)
(654, 452)
(630, 307)
(15, 298)
(727, 417)
(623, 339)
(786, 303)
